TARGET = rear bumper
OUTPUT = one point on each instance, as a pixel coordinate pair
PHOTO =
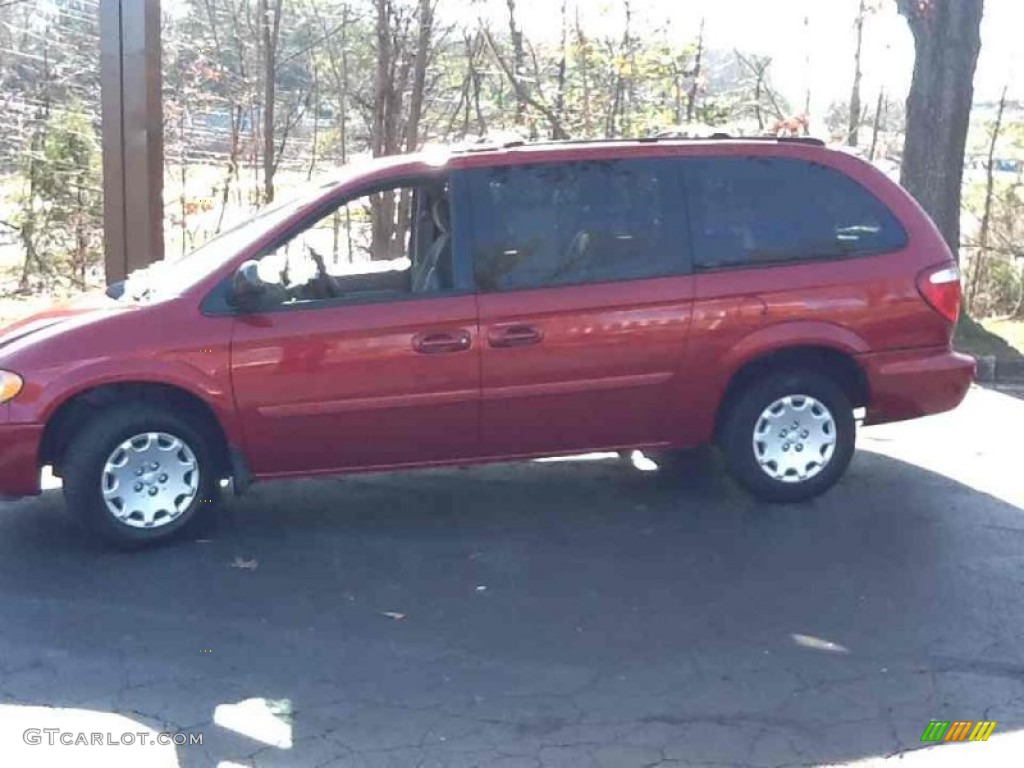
(912, 383)
(19, 460)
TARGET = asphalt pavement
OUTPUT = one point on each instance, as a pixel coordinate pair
(590, 612)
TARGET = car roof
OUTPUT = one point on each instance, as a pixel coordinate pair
(445, 158)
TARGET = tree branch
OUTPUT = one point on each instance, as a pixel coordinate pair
(557, 129)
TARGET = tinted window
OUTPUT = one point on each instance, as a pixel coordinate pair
(565, 223)
(765, 210)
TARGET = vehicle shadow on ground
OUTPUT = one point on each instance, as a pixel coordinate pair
(578, 613)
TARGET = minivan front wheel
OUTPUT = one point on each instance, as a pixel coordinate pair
(789, 437)
(138, 475)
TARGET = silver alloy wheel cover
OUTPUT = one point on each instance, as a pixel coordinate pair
(149, 480)
(794, 438)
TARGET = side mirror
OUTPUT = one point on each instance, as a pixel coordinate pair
(247, 287)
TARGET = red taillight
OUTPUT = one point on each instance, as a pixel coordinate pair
(940, 287)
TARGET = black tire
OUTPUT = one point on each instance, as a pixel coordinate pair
(737, 434)
(94, 443)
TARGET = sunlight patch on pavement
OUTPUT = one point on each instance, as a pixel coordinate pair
(976, 445)
(1000, 749)
(603, 456)
(47, 480)
(268, 721)
(642, 462)
(819, 644)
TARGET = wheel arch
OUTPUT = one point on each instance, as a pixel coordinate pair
(81, 407)
(835, 363)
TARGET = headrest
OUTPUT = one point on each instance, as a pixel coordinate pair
(440, 213)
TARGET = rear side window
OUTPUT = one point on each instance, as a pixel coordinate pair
(758, 210)
(569, 223)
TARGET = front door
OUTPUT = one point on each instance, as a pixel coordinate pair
(584, 300)
(364, 352)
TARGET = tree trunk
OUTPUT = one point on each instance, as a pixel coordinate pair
(419, 75)
(986, 216)
(584, 66)
(629, 84)
(518, 59)
(877, 125)
(562, 64)
(183, 200)
(807, 66)
(232, 169)
(852, 136)
(947, 40)
(316, 119)
(382, 78)
(270, 25)
(477, 86)
(384, 138)
(691, 97)
(757, 103)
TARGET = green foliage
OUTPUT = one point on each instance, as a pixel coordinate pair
(61, 207)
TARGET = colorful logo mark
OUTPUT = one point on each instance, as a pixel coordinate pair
(958, 730)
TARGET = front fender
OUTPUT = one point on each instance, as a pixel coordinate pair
(205, 374)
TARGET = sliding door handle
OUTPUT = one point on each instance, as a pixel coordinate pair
(519, 335)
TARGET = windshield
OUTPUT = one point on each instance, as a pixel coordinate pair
(170, 277)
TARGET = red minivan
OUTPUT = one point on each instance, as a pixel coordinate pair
(495, 303)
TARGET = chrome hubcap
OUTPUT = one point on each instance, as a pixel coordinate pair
(794, 438)
(150, 479)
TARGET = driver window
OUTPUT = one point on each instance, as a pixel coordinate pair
(387, 245)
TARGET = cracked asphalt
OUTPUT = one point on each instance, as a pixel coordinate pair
(580, 613)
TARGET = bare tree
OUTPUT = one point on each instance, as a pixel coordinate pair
(986, 215)
(522, 92)
(469, 92)
(269, 19)
(758, 66)
(626, 59)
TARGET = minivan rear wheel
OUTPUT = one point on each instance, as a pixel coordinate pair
(139, 475)
(789, 437)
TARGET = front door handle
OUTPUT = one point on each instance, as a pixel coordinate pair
(518, 335)
(443, 342)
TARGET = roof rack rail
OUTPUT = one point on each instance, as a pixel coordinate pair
(721, 136)
(485, 146)
(810, 140)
